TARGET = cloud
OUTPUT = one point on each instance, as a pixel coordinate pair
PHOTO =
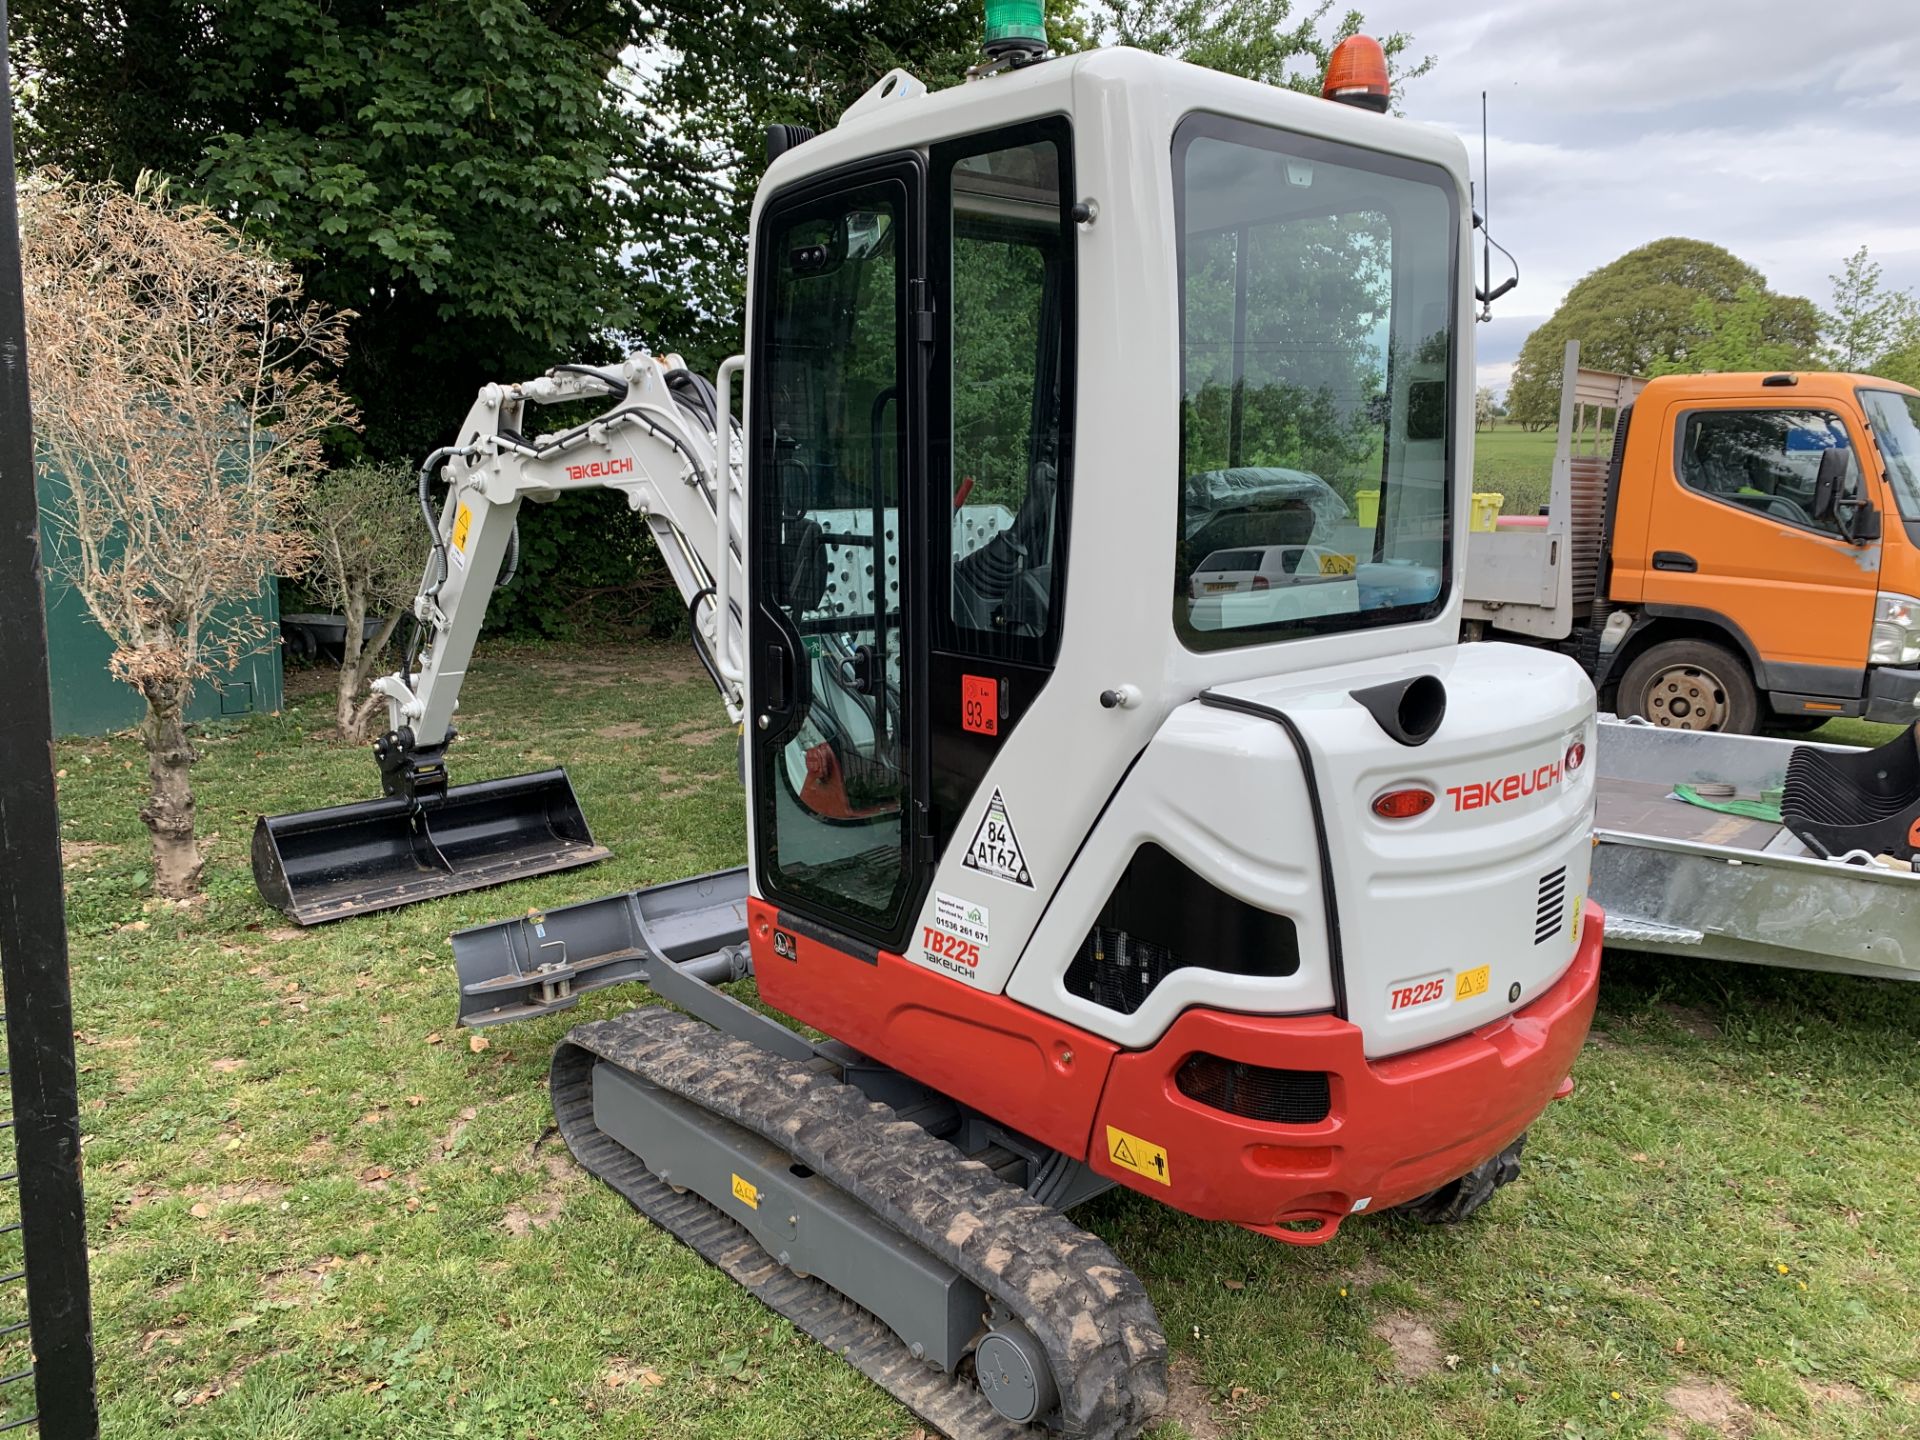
(1778, 131)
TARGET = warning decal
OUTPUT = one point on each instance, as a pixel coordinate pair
(1143, 1157)
(462, 523)
(746, 1192)
(995, 849)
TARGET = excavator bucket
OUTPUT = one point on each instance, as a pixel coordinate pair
(322, 865)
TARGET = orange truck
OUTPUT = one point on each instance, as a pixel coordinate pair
(1722, 552)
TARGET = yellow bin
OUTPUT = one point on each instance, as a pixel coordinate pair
(1486, 510)
(1366, 504)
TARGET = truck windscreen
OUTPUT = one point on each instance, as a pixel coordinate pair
(1317, 287)
(1896, 428)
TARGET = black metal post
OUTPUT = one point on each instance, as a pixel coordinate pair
(33, 918)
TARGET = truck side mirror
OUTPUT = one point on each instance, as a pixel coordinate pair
(1834, 465)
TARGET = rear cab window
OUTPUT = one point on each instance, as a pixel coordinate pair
(1316, 346)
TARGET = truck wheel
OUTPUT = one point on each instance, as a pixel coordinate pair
(1457, 1199)
(1691, 685)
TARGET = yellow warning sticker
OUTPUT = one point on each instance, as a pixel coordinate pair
(1579, 908)
(1472, 982)
(462, 523)
(746, 1192)
(1337, 564)
(1143, 1157)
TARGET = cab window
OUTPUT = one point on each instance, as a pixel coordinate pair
(1316, 350)
(1764, 461)
(1003, 258)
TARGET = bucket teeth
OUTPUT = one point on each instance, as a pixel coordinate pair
(322, 865)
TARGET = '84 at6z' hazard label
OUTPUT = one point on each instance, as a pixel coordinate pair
(995, 849)
(954, 941)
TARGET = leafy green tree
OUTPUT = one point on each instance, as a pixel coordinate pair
(470, 176)
(1260, 39)
(1869, 324)
(1656, 307)
(449, 169)
(1867, 320)
(1736, 336)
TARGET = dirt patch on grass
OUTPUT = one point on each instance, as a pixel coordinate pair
(207, 1198)
(625, 730)
(1834, 1392)
(1189, 1403)
(1417, 1352)
(703, 735)
(78, 854)
(542, 1208)
(624, 1374)
(301, 1284)
(1696, 1021)
(1708, 1403)
(226, 1065)
(444, 1146)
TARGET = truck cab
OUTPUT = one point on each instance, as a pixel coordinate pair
(1753, 541)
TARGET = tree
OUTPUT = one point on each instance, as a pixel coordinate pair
(1867, 321)
(466, 176)
(1483, 408)
(181, 392)
(362, 523)
(1259, 39)
(1735, 337)
(1644, 311)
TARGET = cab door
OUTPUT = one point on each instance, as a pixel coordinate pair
(1733, 536)
(833, 666)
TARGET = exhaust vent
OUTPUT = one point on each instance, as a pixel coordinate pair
(1280, 1097)
(1161, 917)
(1551, 913)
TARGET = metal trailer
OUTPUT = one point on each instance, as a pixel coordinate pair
(1676, 879)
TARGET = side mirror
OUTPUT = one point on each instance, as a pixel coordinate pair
(1834, 465)
(1863, 526)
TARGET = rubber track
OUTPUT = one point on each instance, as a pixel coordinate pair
(1089, 1312)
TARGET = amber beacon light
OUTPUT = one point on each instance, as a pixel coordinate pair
(1357, 74)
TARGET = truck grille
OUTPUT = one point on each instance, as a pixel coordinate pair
(1281, 1097)
(1552, 909)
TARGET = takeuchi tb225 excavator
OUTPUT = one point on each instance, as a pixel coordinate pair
(1262, 896)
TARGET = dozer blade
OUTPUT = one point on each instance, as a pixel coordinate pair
(322, 865)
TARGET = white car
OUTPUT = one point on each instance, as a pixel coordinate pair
(1261, 567)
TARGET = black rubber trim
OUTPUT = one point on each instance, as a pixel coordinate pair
(1335, 955)
(824, 935)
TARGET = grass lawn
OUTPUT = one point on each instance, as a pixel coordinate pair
(318, 1211)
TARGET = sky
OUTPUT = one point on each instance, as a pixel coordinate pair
(1787, 132)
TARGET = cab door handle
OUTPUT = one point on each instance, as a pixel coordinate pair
(1675, 560)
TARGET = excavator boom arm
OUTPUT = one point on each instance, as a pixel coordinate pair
(665, 441)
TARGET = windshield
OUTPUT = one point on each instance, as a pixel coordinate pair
(1316, 317)
(1896, 427)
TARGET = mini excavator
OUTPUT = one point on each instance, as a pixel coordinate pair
(1085, 574)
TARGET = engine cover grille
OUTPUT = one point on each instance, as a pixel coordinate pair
(1551, 911)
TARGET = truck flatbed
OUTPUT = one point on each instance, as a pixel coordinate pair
(1678, 879)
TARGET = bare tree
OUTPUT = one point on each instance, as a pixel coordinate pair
(181, 391)
(363, 526)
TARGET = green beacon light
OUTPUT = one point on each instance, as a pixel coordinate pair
(1015, 29)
